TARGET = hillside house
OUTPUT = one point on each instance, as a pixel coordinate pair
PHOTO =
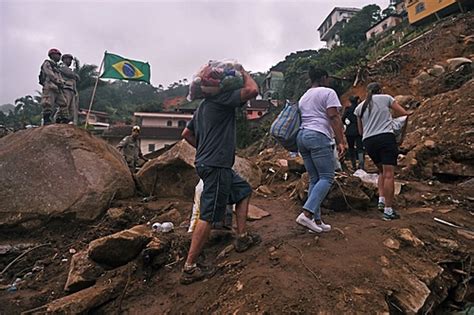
(425, 11)
(99, 120)
(256, 109)
(333, 24)
(383, 26)
(273, 85)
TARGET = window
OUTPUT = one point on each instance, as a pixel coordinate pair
(169, 123)
(151, 147)
(372, 35)
(420, 7)
(181, 123)
(384, 27)
(259, 113)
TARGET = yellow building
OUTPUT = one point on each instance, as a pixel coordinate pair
(424, 10)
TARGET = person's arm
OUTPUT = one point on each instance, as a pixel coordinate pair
(336, 124)
(359, 126)
(398, 110)
(250, 89)
(189, 136)
(122, 143)
(51, 74)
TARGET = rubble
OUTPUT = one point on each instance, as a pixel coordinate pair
(31, 158)
(172, 174)
(119, 248)
(83, 272)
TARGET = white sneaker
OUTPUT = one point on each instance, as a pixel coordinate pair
(323, 226)
(309, 223)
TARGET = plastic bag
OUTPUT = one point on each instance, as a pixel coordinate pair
(216, 77)
(197, 211)
(399, 126)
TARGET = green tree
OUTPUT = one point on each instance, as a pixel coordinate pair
(353, 33)
(27, 111)
(87, 73)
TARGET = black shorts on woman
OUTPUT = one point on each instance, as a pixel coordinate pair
(382, 149)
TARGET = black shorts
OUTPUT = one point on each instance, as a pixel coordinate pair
(222, 186)
(382, 149)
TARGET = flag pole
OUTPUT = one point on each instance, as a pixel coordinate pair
(95, 88)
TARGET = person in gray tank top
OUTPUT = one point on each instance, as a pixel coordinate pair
(374, 121)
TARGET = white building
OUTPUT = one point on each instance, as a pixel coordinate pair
(333, 24)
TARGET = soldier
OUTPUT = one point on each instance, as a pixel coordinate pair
(70, 89)
(52, 82)
(130, 149)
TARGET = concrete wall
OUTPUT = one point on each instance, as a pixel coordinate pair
(158, 144)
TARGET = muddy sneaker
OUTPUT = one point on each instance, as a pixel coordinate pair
(242, 243)
(196, 273)
(390, 217)
(381, 206)
(325, 227)
(308, 223)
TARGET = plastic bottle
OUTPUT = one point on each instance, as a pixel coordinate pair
(167, 227)
(157, 227)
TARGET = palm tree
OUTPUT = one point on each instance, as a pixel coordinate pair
(87, 74)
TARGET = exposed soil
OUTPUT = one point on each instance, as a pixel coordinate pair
(291, 271)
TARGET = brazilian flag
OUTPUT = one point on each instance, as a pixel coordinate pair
(117, 67)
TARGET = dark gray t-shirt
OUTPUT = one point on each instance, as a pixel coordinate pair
(213, 124)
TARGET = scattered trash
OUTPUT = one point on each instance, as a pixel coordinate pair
(72, 251)
(164, 227)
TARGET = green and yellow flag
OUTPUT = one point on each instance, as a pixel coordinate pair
(117, 67)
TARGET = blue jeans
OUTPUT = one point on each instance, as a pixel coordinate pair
(317, 152)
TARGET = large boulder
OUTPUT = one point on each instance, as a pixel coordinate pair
(172, 174)
(59, 171)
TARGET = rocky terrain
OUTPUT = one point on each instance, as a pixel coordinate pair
(75, 239)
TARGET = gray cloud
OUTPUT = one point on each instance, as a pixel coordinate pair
(175, 37)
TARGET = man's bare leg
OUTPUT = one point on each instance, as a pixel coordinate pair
(199, 238)
(241, 211)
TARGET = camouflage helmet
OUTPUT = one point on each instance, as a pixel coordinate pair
(53, 51)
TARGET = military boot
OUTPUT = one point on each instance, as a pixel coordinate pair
(47, 119)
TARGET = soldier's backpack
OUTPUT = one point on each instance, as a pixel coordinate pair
(286, 126)
(42, 75)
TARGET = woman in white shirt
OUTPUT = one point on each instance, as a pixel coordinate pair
(320, 122)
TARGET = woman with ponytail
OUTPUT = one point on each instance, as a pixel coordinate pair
(374, 121)
(320, 123)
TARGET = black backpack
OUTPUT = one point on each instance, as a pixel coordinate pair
(42, 75)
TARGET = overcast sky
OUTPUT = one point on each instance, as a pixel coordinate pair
(175, 37)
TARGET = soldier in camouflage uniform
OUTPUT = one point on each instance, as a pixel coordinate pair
(52, 82)
(70, 91)
(130, 149)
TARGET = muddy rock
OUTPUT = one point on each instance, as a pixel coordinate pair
(455, 63)
(436, 71)
(256, 213)
(406, 235)
(296, 165)
(110, 287)
(156, 252)
(407, 101)
(119, 248)
(348, 193)
(83, 272)
(172, 174)
(172, 215)
(39, 166)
